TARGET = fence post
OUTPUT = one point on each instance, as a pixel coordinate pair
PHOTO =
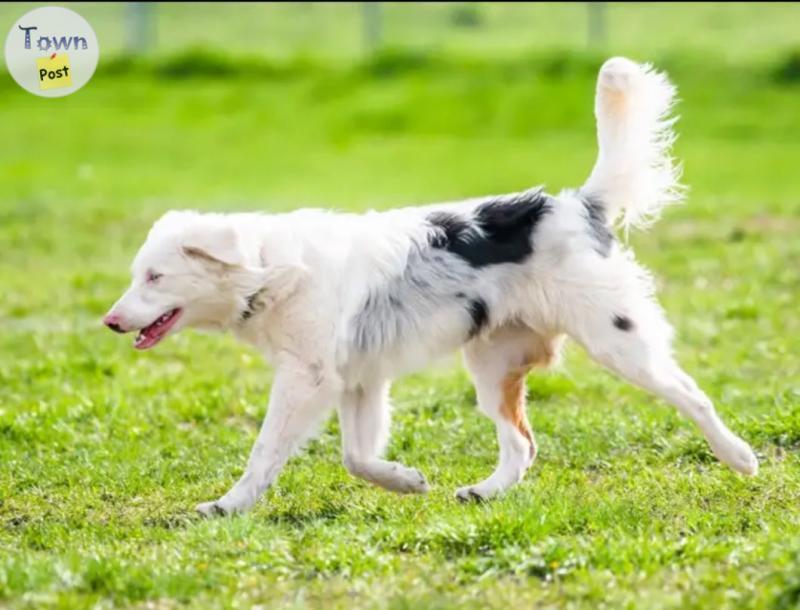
(372, 17)
(139, 27)
(597, 23)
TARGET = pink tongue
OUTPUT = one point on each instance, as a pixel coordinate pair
(148, 337)
(152, 334)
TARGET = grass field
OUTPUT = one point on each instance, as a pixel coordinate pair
(104, 451)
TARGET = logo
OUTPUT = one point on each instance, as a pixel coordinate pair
(51, 51)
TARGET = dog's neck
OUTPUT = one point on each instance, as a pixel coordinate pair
(254, 304)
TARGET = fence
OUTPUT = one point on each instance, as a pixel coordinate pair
(141, 24)
(355, 29)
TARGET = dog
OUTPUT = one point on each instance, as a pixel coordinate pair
(343, 303)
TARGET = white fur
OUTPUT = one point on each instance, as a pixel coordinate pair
(295, 285)
(634, 174)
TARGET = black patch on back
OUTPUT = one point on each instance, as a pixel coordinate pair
(498, 231)
(479, 314)
(453, 230)
(598, 225)
(623, 323)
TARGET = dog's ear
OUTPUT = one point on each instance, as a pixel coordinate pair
(217, 244)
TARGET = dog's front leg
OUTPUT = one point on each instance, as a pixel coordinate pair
(298, 403)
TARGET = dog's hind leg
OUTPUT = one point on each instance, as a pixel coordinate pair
(633, 340)
(364, 418)
(499, 365)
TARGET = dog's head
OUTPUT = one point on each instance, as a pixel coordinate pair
(194, 270)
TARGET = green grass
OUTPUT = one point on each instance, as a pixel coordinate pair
(104, 451)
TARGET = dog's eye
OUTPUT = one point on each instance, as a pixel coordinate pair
(153, 277)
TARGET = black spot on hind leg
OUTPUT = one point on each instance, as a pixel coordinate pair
(623, 323)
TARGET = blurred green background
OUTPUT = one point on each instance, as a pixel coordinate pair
(344, 30)
(104, 451)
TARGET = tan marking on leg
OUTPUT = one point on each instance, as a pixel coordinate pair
(533, 352)
(544, 353)
(513, 405)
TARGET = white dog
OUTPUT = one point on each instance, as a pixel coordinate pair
(343, 303)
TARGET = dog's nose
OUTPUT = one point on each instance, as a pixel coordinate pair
(112, 320)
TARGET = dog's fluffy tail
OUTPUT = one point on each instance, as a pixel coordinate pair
(634, 176)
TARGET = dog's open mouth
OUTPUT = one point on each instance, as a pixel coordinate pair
(150, 335)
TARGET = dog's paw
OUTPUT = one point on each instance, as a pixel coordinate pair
(412, 481)
(468, 494)
(738, 455)
(476, 493)
(212, 509)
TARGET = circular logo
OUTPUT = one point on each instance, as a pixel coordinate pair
(51, 51)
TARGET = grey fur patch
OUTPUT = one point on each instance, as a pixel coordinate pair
(433, 281)
(598, 225)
